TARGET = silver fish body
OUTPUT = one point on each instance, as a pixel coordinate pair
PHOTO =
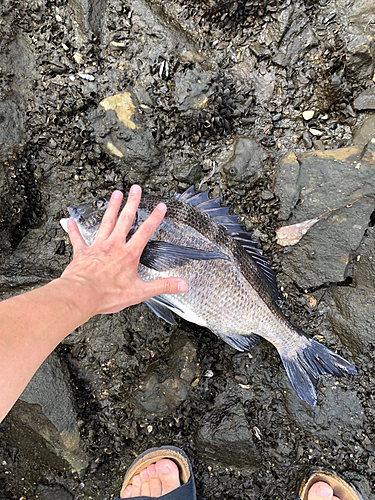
(232, 289)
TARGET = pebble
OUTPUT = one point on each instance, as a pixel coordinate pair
(306, 139)
(316, 132)
(308, 115)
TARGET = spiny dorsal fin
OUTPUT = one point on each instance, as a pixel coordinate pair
(221, 216)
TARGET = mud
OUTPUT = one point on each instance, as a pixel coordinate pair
(220, 95)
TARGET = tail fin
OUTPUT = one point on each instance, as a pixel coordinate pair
(306, 364)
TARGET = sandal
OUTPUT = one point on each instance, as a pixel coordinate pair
(184, 492)
(341, 488)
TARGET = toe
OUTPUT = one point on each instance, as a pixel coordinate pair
(136, 486)
(169, 475)
(145, 488)
(127, 492)
(155, 483)
(320, 491)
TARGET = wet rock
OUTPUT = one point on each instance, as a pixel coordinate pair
(306, 139)
(89, 15)
(44, 420)
(53, 492)
(224, 430)
(296, 36)
(287, 178)
(246, 164)
(366, 131)
(19, 62)
(118, 129)
(361, 57)
(193, 89)
(365, 100)
(168, 381)
(340, 410)
(337, 187)
(350, 309)
(189, 172)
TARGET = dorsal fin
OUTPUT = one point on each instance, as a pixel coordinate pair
(229, 222)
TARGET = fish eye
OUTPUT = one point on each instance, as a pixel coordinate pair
(99, 203)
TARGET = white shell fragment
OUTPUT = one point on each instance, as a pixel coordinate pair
(86, 76)
(290, 235)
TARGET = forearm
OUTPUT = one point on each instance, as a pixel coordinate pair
(31, 326)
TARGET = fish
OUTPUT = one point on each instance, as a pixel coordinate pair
(232, 288)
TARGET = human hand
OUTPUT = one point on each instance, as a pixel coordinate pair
(105, 273)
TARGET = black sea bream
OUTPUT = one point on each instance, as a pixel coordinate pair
(232, 289)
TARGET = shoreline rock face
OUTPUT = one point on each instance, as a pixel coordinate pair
(337, 187)
(267, 104)
(44, 419)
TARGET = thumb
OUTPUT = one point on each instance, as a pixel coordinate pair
(165, 286)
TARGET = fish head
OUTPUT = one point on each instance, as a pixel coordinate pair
(88, 217)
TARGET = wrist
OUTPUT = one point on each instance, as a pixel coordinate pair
(78, 297)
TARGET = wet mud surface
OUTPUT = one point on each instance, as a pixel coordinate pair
(219, 95)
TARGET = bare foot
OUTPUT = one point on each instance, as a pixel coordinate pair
(321, 491)
(156, 480)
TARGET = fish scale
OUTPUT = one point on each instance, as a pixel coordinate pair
(232, 289)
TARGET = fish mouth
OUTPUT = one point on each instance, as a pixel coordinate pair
(73, 212)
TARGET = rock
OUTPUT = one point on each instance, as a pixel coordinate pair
(193, 88)
(306, 139)
(366, 131)
(340, 411)
(89, 15)
(361, 49)
(350, 309)
(189, 172)
(287, 178)
(53, 492)
(336, 187)
(246, 164)
(168, 383)
(226, 429)
(308, 115)
(44, 420)
(296, 34)
(365, 100)
(118, 129)
(316, 132)
(19, 61)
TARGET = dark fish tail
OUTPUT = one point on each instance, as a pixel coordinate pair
(308, 362)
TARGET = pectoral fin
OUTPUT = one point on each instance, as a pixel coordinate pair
(162, 309)
(161, 256)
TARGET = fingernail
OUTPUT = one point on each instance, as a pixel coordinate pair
(182, 286)
(116, 194)
(324, 491)
(161, 206)
(135, 189)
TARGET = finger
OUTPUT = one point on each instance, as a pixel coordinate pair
(110, 216)
(147, 228)
(75, 236)
(165, 286)
(127, 215)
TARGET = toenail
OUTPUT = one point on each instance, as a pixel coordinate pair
(324, 491)
(144, 475)
(163, 470)
(151, 470)
(137, 480)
